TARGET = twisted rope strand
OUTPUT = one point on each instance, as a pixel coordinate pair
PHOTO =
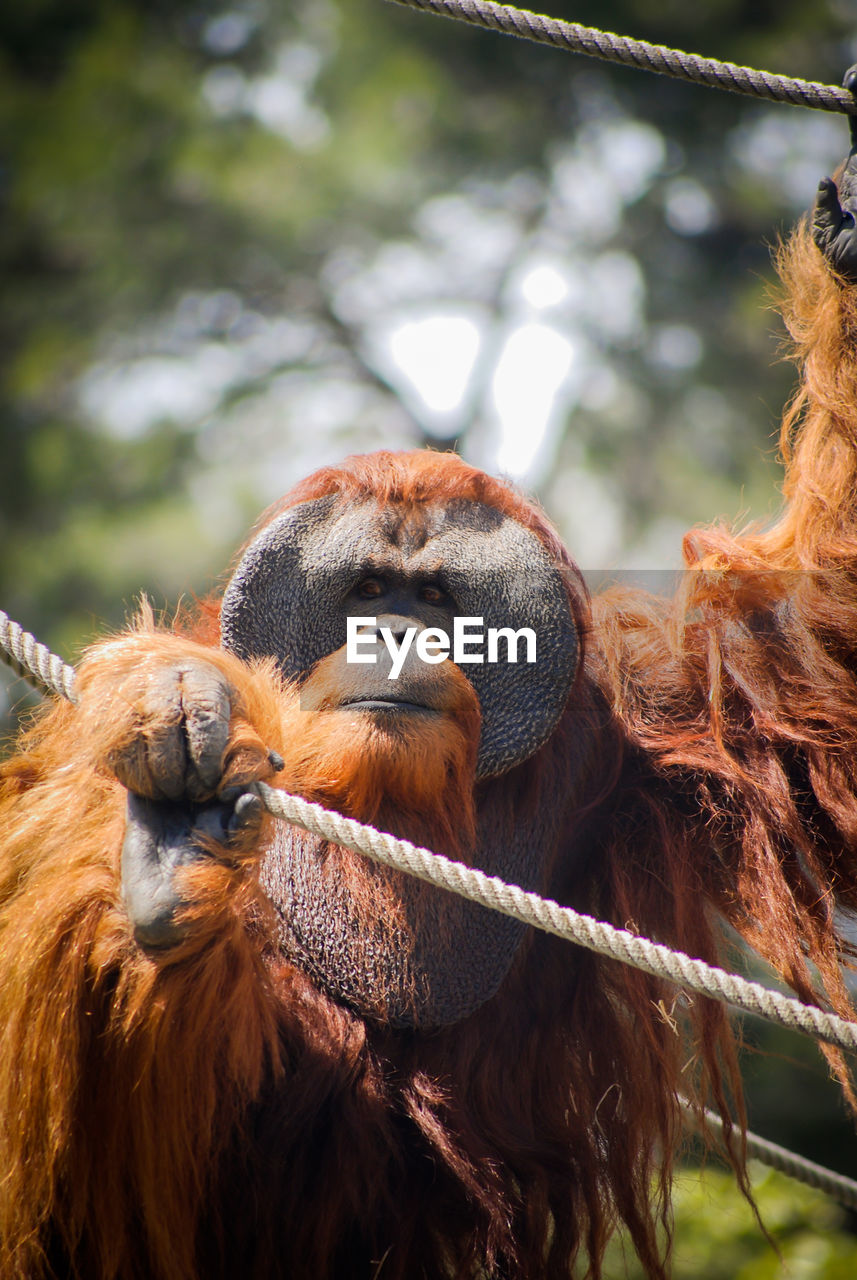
(836, 1185)
(564, 922)
(640, 53)
(34, 661)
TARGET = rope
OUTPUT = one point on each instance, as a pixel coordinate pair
(639, 53)
(564, 922)
(34, 661)
(836, 1185)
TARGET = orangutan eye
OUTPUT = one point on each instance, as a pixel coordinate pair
(370, 589)
(432, 594)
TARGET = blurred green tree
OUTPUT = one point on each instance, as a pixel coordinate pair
(718, 1237)
(215, 216)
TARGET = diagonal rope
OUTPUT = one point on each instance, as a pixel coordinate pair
(640, 53)
(836, 1185)
(34, 661)
(542, 913)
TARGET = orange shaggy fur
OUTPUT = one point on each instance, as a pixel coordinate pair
(167, 1118)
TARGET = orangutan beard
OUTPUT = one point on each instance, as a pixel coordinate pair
(409, 769)
(370, 934)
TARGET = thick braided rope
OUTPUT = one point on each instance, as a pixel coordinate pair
(564, 922)
(639, 53)
(34, 661)
(836, 1185)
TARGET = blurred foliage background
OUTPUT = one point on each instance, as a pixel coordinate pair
(240, 240)
(718, 1238)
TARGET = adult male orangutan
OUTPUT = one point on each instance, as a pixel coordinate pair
(230, 1049)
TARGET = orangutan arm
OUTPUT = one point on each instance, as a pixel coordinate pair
(834, 225)
(119, 1058)
(173, 721)
(742, 690)
(817, 529)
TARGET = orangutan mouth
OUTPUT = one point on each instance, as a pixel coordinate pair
(387, 704)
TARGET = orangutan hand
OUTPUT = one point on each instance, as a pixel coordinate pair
(160, 838)
(834, 219)
(182, 714)
(186, 752)
(178, 728)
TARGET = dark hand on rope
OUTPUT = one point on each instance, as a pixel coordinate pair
(176, 744)
(187, 800)
(834, 220)
(181, 732)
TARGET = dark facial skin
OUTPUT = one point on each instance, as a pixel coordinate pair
(412, 563)
(397, 592)
(398, 601)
